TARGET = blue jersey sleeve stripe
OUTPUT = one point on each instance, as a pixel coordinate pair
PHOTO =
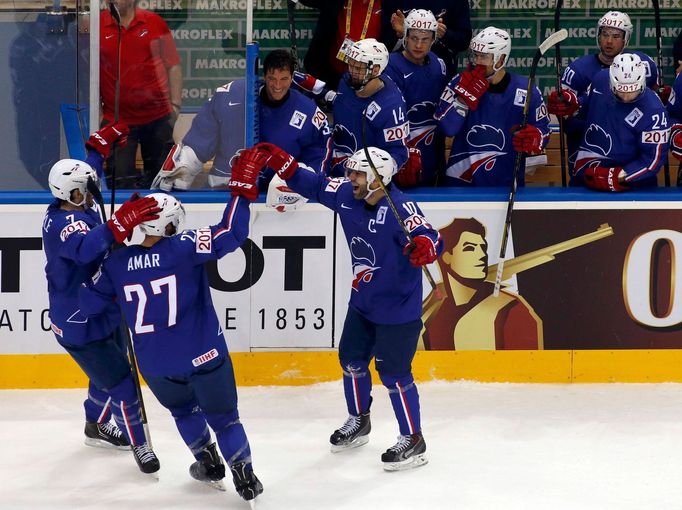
(651, 168)
(228, 219)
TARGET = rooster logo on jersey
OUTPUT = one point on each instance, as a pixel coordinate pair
(345, 144)
(595, 147)
(485, 142)
(422, 123)
(364, 259)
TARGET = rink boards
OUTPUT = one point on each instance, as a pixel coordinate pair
(597, 272)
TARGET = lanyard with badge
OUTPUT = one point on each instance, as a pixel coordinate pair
(342, 55)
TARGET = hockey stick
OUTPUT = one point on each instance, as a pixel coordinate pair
(132, 359)
(391, 204)
(553, 39)
(117, 97)
(291, 8)
(557, 58)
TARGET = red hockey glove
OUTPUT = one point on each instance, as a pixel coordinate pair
(527, 140)
(676, 141)
(471, 87)
(103, 140)
(132, 212)
(410, 173)
(280, 161)
(604, 178)
(245, 170)
(421, 251)
(564, 106)
(664, 93)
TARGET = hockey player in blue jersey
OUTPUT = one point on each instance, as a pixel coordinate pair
(162, 286)
(75, 242)
(624, 128)
(675, 112)
(614, 30)
(421, 76)
(482, 108)
(365, 92)
(384, 312)
(286, 118)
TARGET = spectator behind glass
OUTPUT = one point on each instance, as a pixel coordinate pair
(337, 24)
(454, 26)
(150, 89)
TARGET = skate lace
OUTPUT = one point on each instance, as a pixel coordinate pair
(110, 429)
(404, 442)
(144, 453)
(351, 425)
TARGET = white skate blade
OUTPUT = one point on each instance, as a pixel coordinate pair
(412, 462)
(358, 441)
(101, 443)
(214, 484)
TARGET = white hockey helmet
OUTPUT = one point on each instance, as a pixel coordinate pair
(420, 19)
(371, 52)
(494, 41)
(615, 19)
(67, 175)
(172, 212)
(383, 162)
(627, 73)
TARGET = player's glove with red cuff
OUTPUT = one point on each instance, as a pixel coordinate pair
(527, 140)
(245, 170)
(676, 141)
(604, 178)
(316, 88)
(279, 160)
(104, 139)
(132, 212)
(664, 93)
(410, 173)
(421, 251)
(471, 87)
(562, 106)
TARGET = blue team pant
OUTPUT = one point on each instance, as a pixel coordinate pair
(105, 362)
(205, 397)
(393, 347)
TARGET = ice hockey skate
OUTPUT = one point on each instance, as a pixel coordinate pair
(209, 469)
(246, 483)
(353, 433)
(105, 435)
(146, 459)
(407, 453)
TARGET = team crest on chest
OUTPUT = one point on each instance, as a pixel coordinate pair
(364, 260)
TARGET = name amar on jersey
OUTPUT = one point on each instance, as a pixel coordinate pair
(144, 261)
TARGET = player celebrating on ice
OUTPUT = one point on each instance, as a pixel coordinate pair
(384, 313)
(76, 241)
(421, 76)
(162, 286)
(482, 108)
(624, 129)
(286, 118)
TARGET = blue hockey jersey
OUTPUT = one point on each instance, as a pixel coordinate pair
(632, 135)
(387, 126)
(165, 296)
(579, 74)
(75, 243)
(422, 86)
(295, 124)
(386, 289)
(482, 153)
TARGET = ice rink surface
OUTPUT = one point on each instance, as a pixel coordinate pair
(490, 446)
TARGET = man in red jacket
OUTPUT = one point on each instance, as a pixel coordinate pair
(150, 89)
